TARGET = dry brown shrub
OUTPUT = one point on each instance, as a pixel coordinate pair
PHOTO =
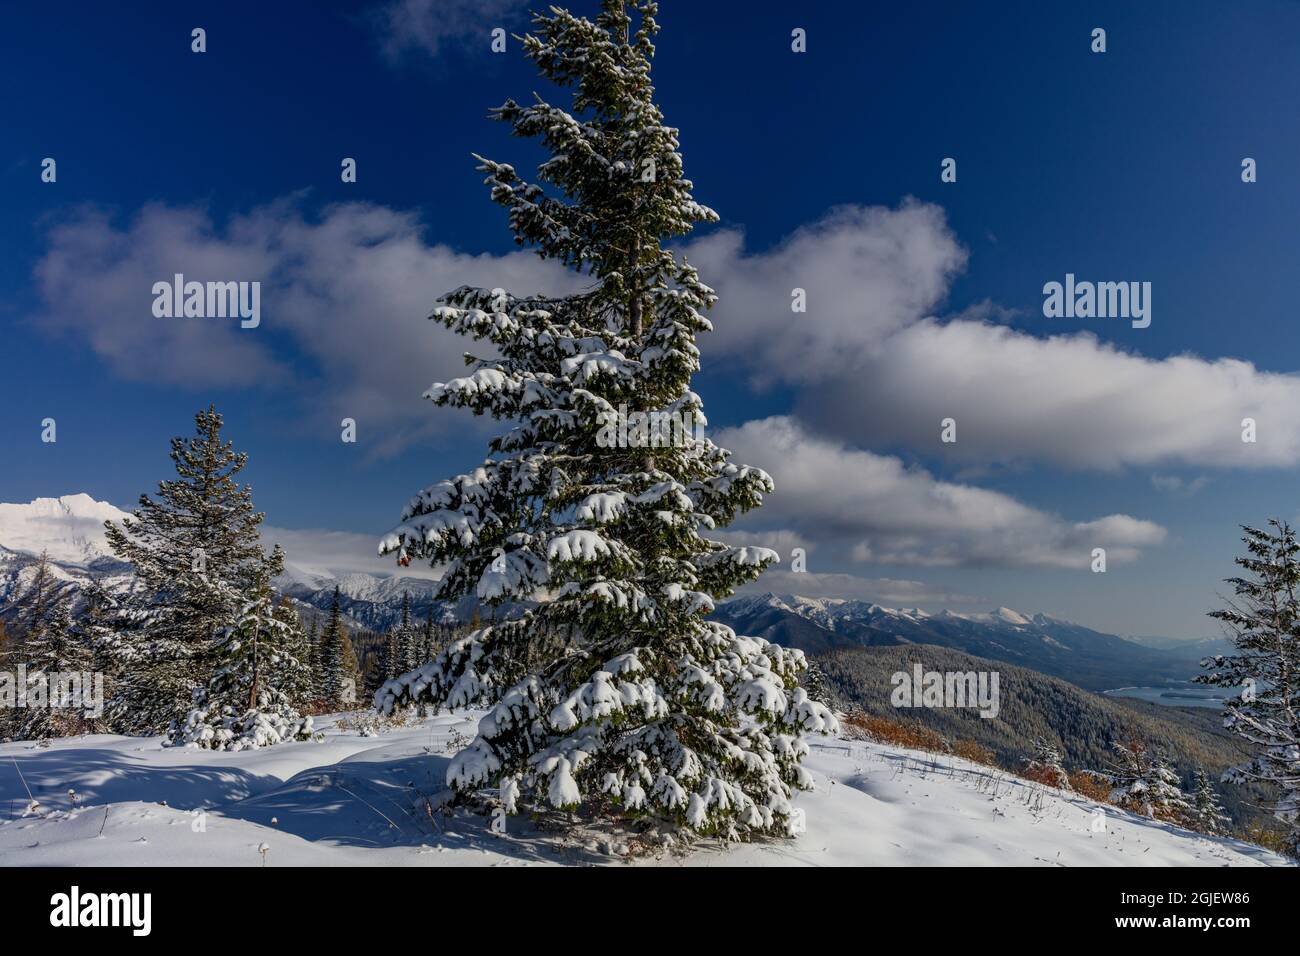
(1090, 785)
(860, 726)
(975, 753)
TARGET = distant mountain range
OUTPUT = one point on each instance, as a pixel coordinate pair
(1088, 658)
(70, 530)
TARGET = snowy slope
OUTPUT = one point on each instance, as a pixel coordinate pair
(361, 800)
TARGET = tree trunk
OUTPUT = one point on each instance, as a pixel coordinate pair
(634, 322)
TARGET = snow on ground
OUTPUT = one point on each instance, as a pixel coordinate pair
(350, 799)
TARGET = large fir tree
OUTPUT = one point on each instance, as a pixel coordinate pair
(196, 551)
(1263, 623)
(615, 692)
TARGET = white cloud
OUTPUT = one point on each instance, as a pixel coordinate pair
(870, 366)
(428, 26)
(867, 272)
(874, 367)
(96, 282)
(1070, 400)
(879, 510)
(333, 287)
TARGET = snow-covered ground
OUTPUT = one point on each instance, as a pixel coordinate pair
(350, 799)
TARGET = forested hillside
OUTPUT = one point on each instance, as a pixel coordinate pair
(1032, 705)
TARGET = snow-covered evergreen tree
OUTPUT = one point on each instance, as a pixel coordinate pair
(38, 597)
(339, 671)
(293, 671)
(382, 666)
(50, 646)
(41, 624)
(316, 643)
(249, 700)
(614, 692)
(1206, 813)
(1263, 623)
(57, 658)
(428, 642)
(195, 548)
(1144, 783)
(331, 655)
(406, 639)
(1047, 766)
(814, 682)
(99, 629)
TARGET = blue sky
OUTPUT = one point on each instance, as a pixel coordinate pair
(927, 300)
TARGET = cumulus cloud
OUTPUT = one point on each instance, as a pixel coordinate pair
(870, 364)
(866, 272)
(877, 509)
(96, 281)
(1070, 400)
(874, 366)
(332, 287)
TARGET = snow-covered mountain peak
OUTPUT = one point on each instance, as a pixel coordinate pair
(835, 613)
(70, 528)
(1010, 616)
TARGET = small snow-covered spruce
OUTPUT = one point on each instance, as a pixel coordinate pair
(382, 664)
(1142, 782)
(196, 552)
(317, 690)
(338, 661)
(54, 704)
(1263, 623)
(1206, 813)
(33, 610)
(406, 639)
(613, 693)
(1046, 766)
(33, 607)
(247, 703)
(428, 645)
(814, 682)
(293, 671)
